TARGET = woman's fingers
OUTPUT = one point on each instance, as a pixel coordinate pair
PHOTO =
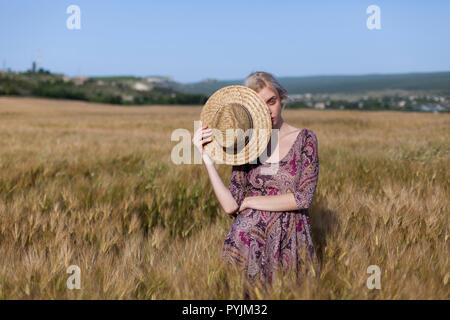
(201, 136)
(206, 139)
(206, 135)
(200, 130)
(203, 133)
(199, 133)
(207, 132)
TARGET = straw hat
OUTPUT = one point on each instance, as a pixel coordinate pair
(241, 125)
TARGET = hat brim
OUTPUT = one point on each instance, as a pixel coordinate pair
(261, 121)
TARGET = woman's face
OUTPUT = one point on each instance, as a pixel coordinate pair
(273, 103)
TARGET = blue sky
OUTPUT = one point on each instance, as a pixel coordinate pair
(193, 40)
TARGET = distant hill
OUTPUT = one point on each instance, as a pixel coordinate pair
(436, 81)
(123, 90)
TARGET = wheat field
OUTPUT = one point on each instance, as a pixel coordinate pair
(94, 186)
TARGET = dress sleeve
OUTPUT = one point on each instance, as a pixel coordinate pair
(309, 162)
(238, 183)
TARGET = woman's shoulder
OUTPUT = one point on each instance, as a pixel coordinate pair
(310, 142)
(310, 133)
(305, 134)
(307, 137)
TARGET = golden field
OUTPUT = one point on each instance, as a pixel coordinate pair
(93, 185)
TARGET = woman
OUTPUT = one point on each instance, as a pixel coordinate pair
(271, 230)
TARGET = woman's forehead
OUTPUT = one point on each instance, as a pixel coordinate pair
(266, 93)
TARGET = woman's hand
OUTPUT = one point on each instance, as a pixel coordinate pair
(203, 136)
(244, 205)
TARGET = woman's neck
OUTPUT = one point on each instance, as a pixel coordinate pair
(282, 128)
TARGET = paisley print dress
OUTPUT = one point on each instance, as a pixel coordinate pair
(263, 243)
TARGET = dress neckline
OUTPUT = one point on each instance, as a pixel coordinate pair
(289, 152)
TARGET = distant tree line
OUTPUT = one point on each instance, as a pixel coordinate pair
(42, 83)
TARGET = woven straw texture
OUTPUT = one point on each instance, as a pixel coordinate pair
(236, 107)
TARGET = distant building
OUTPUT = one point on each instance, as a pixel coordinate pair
(319, 105)
(158, 79)
(127, 98)
(141, 86)
(80, 80)
(295, 97)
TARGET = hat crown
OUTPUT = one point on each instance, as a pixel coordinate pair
(233, 121)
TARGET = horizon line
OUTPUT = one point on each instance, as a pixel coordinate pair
(236, 79)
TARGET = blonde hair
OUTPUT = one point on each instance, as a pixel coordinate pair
(259, 79)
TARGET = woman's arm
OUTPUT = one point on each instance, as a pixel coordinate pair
(304, 191)
(223, 194)
(281, 202)
(231, 197)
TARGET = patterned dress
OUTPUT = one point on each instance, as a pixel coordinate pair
(264, 242)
